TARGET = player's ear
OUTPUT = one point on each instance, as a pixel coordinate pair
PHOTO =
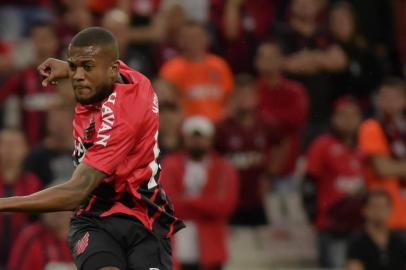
(114, 69)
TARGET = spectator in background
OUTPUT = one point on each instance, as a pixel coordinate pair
(51, 160)
(74, 16)
(118, 22)
(174, 17)
(197, 10)
(399, 7)
(377, 248)
(311, 57)
(282, 104)
(26, 84)
(204, 190)
(18, 16)
(170, 117)
(43, 245)
(204, 80)
(363, 73)
(245, 141)
(14, 181)
(245, 25)
(147, 28)
(7, 67)
(376, 22)
(383, 140)
(6, 60)
(334, 173)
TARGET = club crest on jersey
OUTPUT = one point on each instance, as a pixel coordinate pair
(89, 130)
(107, 120)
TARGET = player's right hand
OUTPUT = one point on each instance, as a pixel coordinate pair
(53, 70)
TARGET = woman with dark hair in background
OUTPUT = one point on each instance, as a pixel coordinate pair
(363, 74)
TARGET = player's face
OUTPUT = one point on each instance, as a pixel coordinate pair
(92, 73)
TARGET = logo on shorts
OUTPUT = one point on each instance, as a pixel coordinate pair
(81, 245)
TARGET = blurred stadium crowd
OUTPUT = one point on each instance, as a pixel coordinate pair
(282, 135)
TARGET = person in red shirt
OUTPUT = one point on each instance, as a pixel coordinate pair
(14, 181)
(26, 84)
(334, 167)
(283, 106)
(282, 103)
(245, 140)
(204, 188)
(123, 218)
(42, 245)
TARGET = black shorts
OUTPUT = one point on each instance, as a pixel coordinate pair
(119, 241)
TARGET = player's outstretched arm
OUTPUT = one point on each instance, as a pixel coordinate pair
(53, 70)
(64, 197)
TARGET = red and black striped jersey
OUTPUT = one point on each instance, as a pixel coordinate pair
(118, 136)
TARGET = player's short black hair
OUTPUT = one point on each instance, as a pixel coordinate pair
(95, 36)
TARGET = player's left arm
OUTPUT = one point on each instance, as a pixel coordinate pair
(63, 197)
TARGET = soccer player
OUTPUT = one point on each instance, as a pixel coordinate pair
(123, 219)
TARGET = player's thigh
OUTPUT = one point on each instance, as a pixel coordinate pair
(150, 253)
(94, 248)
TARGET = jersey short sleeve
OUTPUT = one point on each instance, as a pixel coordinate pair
(372, 139)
